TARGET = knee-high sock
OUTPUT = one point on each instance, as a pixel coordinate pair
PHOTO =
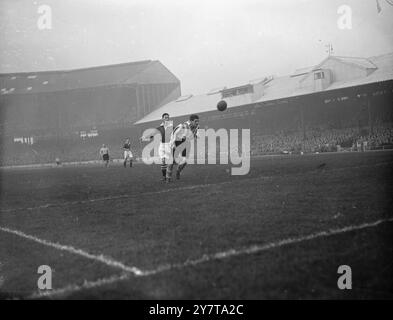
(181, 166)
(163, 168)
(169, 171)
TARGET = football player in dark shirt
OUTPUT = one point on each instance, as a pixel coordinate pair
(104, 152)
(127, 152)
(164, 149)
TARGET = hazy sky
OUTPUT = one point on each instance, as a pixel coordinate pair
(205, 43)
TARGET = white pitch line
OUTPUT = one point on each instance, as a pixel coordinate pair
(75, 287)
(192, 187)
(100, 258)
(210, 257)
(258, 248)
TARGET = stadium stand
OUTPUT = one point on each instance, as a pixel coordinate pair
(341, 104)
(324, 141)
(55, 107)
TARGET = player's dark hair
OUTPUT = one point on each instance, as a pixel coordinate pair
(194, 117)
(164, 114)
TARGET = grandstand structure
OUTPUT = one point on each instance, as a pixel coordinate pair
(337, 94)
(68, 114)
(68, 102)
(338, 103)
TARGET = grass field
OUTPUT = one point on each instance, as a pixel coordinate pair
(280, 232)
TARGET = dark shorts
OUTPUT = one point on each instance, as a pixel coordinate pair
(105, 157)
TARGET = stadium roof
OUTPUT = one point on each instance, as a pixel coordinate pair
(279, 88)
(302, 71)
(108, 75)
(383, 72)
(361, 62)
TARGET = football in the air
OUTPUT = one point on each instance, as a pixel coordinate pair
(222, 105)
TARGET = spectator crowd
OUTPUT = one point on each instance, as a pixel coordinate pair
(332, 140)
(311, 141)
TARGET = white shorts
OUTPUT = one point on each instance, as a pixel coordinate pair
(164, 151)
(127, 154)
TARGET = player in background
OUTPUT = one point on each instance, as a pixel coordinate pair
(181, 137)
(127, 153)
(164, 149)
(104, 153)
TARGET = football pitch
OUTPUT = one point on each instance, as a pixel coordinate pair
(280, 232)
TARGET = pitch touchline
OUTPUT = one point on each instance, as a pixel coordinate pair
(127, 196)
(86, 285)
(258, 248)
(100, 258)
(206, 258)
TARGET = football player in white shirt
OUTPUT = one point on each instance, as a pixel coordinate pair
(180, 138)
(104, 152)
